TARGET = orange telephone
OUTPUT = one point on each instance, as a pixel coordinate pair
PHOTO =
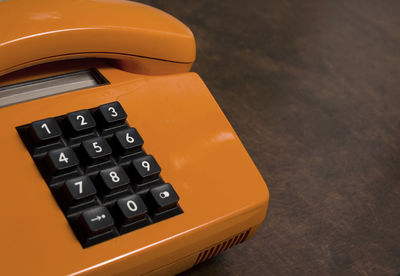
(116, 158)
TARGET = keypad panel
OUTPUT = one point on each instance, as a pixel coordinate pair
(95, 166)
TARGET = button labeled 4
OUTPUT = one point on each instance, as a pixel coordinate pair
(62, 160)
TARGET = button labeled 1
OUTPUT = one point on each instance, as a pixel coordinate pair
(45, 131)
(145, 169)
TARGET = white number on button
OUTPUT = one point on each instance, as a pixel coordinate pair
(146, 165)
(46, 128)
(114, 177)
(97, 148)
(129, 139)
(79, 184)
(113, 112)
(131, 205)
(63, 158)
(82, 119)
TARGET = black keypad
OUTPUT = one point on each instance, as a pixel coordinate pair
(145, 169)
(45, 131)
(80, 122)
(94, 164)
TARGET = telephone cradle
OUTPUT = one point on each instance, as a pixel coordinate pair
(116, 158)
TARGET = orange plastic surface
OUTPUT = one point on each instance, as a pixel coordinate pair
(221, 192)
(140, 38)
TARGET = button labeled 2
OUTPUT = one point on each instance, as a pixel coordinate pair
(80, 122)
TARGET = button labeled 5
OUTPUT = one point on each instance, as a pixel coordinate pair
(96, 150)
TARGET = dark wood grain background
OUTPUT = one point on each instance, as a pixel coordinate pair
(313, 90)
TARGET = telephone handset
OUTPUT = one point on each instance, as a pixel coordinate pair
(140, 38)
(117, 159)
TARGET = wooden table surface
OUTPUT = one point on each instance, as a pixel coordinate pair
(313, 90)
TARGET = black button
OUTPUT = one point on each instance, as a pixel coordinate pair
(131, 208)
(78, 189)
(145, 169)
(96, 150)
(128, 141)
(163, 197)
(62, 160)
(97, 220)
(45, 131)
(113, 179)
(111, 114)
(80, 122)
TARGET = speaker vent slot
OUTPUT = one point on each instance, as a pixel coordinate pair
(221, 247)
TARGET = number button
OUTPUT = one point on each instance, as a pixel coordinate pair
(128, 141)
(96, 150)
(78, 189)
(113, 179)
(80, 122)
(145, 169)
(45, 131)
(112, 114)
(163, 197)
(62, 160)
(131, 208)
